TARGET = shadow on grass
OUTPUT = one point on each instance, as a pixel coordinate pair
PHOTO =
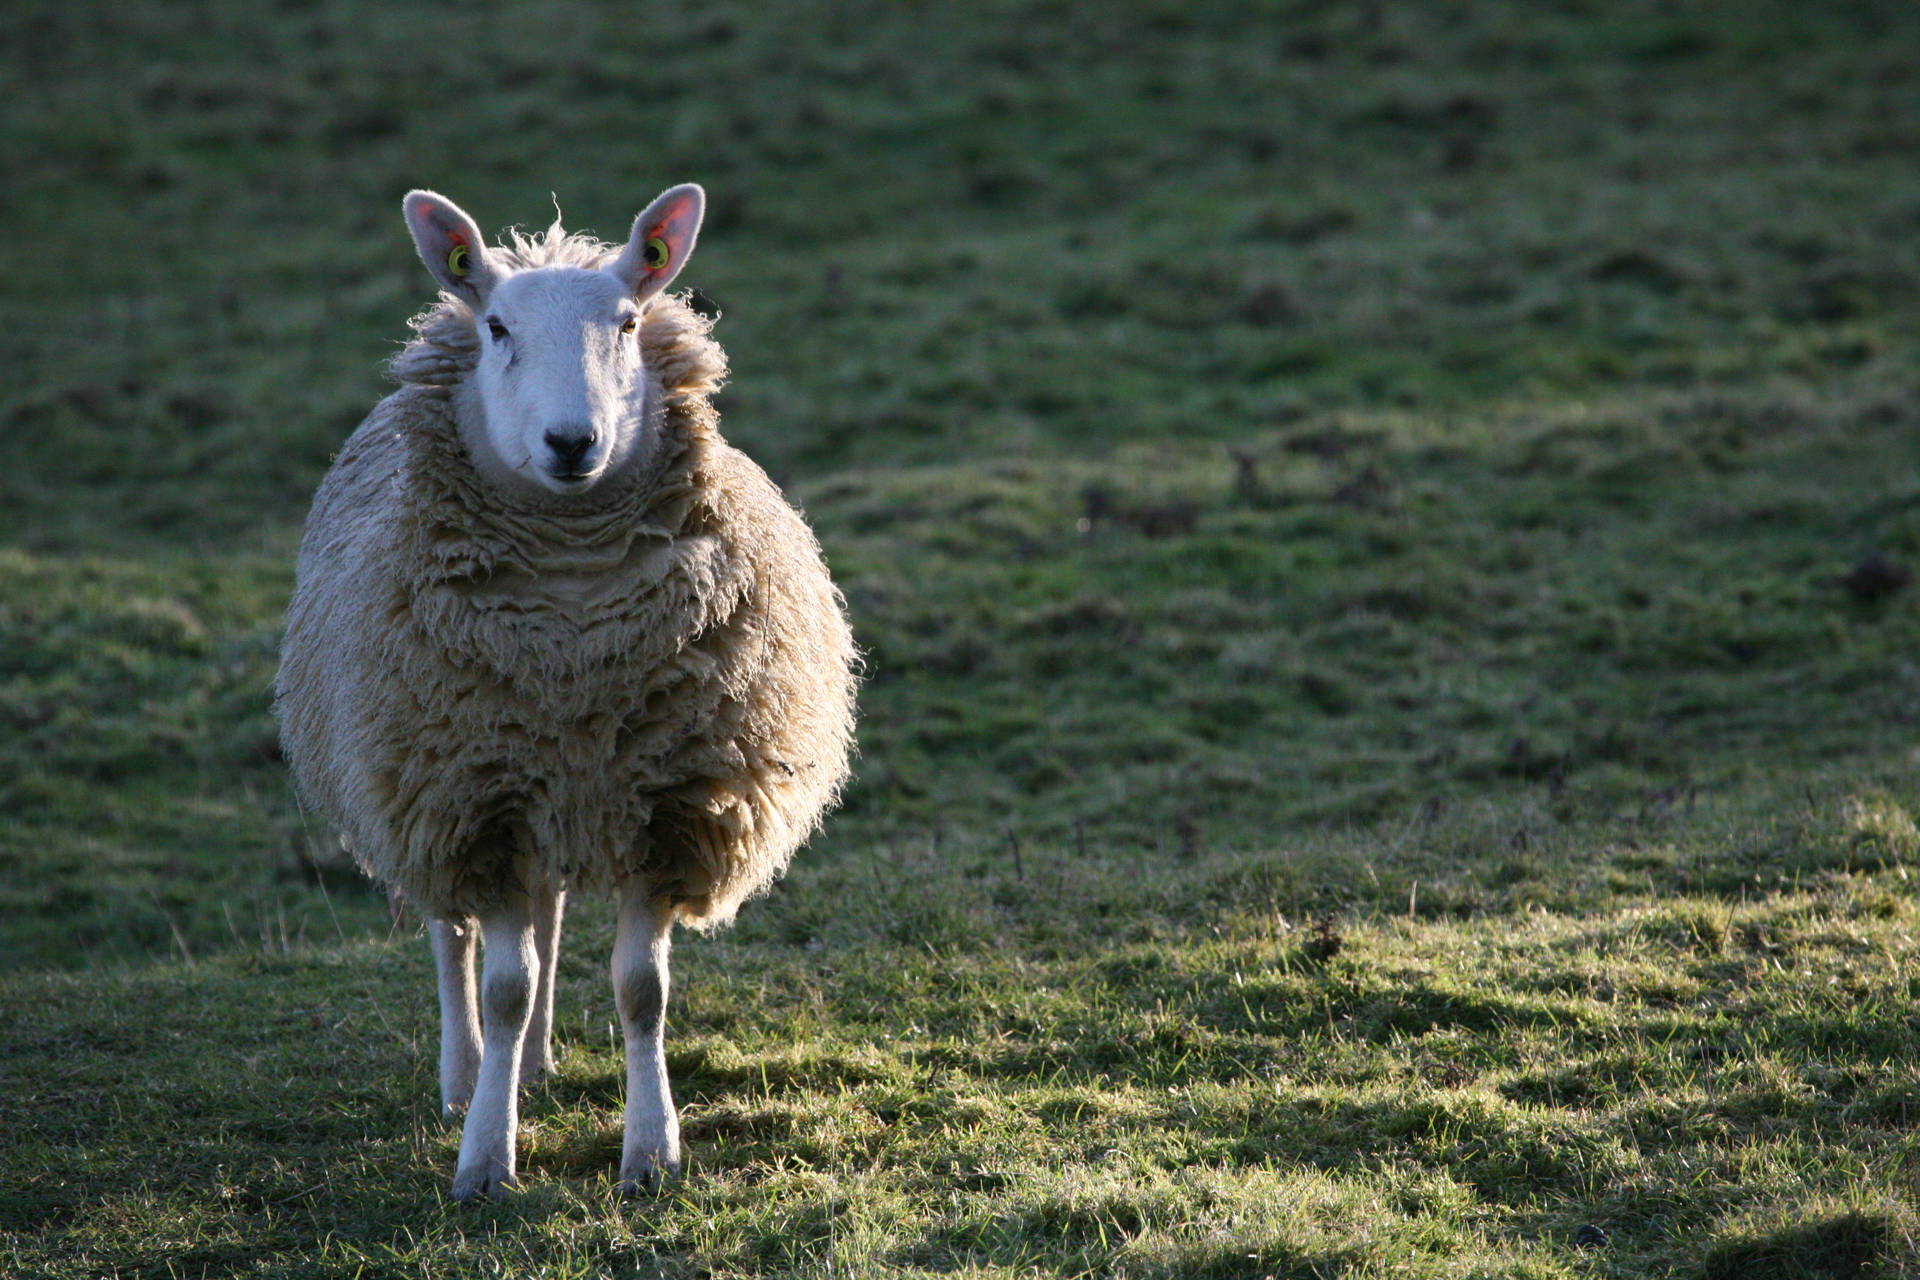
(1849, 1244)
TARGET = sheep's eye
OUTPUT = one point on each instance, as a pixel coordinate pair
(656, 253)
(457, 260)
(628, 325)
(498, 330)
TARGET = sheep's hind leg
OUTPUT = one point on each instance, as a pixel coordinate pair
(536, 1058)
(651, 1152)
(453, 948)
(508, 976)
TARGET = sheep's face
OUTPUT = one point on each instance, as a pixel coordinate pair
(560, 391)
(561, 388)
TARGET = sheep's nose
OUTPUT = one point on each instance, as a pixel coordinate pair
(570, 445)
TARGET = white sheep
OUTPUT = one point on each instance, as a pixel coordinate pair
(550, 631)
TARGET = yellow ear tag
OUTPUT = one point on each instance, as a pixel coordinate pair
(457, 260)
(655, 253)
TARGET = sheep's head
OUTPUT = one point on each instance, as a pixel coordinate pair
(560, 385)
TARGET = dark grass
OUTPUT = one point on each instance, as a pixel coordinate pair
(1384, 540)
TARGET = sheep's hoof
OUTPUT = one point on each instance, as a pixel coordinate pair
(455, 1097)
(648, 1178)
(491, 1183)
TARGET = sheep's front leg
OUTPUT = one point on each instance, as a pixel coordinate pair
(508, 976)
(536, 1058)
(453, 950)
(651, 1152)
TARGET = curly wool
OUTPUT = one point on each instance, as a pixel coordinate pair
(655, 682)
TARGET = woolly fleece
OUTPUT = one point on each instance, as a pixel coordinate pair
(653, 680)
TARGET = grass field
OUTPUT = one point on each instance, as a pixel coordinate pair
(1383, 536)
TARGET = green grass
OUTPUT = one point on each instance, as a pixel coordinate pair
(1379, 535)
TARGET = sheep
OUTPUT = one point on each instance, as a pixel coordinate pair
(550, 632)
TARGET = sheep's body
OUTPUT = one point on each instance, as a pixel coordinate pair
(639, 685)
(654, 685)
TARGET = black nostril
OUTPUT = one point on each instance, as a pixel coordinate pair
(570, 447)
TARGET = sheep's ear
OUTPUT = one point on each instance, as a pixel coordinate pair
(662, 238)
(450, 245)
